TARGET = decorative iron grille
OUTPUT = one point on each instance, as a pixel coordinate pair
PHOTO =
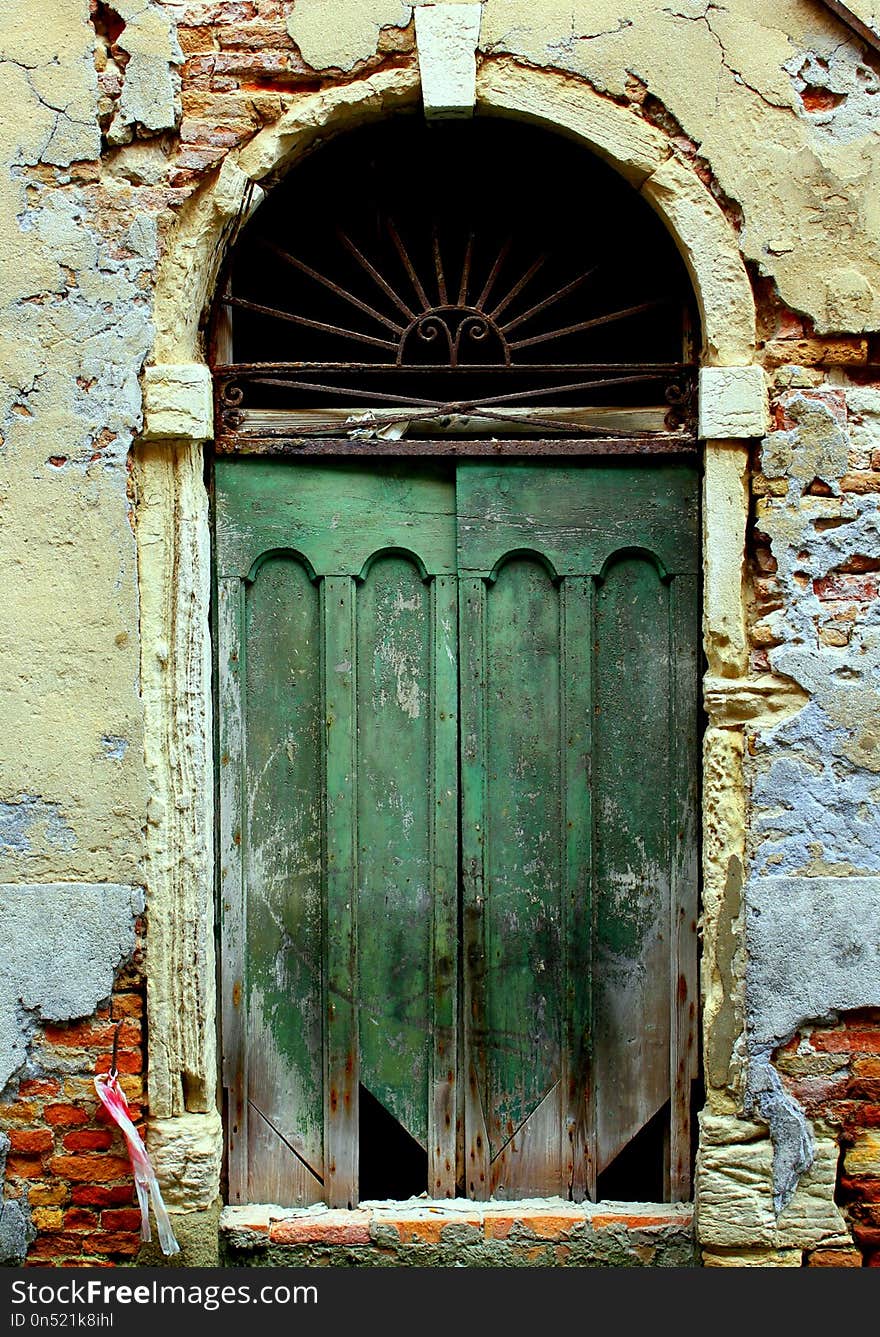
(362, 301)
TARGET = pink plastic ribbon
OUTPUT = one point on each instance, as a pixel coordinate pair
(146, 1184)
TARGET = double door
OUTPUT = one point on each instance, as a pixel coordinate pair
(458, 722)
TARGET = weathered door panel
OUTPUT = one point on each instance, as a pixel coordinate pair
(578, 727)
(358, 607)
(634, 812)
(344, 773)
(282, 874)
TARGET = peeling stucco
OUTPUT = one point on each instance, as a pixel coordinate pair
(353, 34)
(149, 83)
(74, 330)
(812, 910)
(60, 945)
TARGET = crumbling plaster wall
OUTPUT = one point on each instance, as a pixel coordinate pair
(75, 261)
(773, 106)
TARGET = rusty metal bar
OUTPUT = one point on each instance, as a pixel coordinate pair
(238, 370)
(466, 270)
(333, 287)
(409, 267)
(376, 276)
(517, 287)
(493, 273)
(586, 324)
(245, 305)
(548, 301)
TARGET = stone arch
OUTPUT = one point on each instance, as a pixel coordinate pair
(635, 149)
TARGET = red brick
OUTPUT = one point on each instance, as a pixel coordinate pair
(18, 1111)
(131, 1062)
(121, 1218)
(632, 1220)
(127, 1005)
(868, 1190)
(24, 1167)
(49, 1194)
(38, 1086)
(97, 1195)
(87, 1033)
(65, 1116)
(80, 1218)
(54, 1244)
(867, 1237)
(112, 1242)
(546, 1225)
(31, 1140)
(89, 1139)
(834, 1258)
(854, 587)
(866, 1067)
(84, 1168)
(860, 482)
(415, 1228)
(323, 1228)
(847, 1041)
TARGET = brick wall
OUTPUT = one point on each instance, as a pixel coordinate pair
(238, 61)
(834, 1071)
(66, 1159)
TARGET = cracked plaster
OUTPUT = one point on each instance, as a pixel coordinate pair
(805, 176)
(60, 276)
(149, 98)
(74, 330)
(812, 908)
(60, 946)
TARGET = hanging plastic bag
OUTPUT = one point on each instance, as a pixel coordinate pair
(112, 1097)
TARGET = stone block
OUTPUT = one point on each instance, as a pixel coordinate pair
(734, 1207)
(178, 402)
(446, 40)
(187, 1151)
(732, 403)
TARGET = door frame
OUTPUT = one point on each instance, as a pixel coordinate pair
(173, 540)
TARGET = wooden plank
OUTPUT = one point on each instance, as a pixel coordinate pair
(524, 854)
(394, 727)
(513, 422)
(577, 518)
(342, 1075)
(684, 772)
(578, 1151)
(276, 1173)
(442, 1113)
(631, 793)
(282, 850)
(472, 634)
(334, 447)
(232, 891)
(528, 1166)
(336, 515)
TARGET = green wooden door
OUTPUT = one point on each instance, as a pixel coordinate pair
(355, 736)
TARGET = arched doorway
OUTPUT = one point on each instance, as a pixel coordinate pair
(458, 662)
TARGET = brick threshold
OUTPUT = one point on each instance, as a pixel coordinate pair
(421, 1221)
